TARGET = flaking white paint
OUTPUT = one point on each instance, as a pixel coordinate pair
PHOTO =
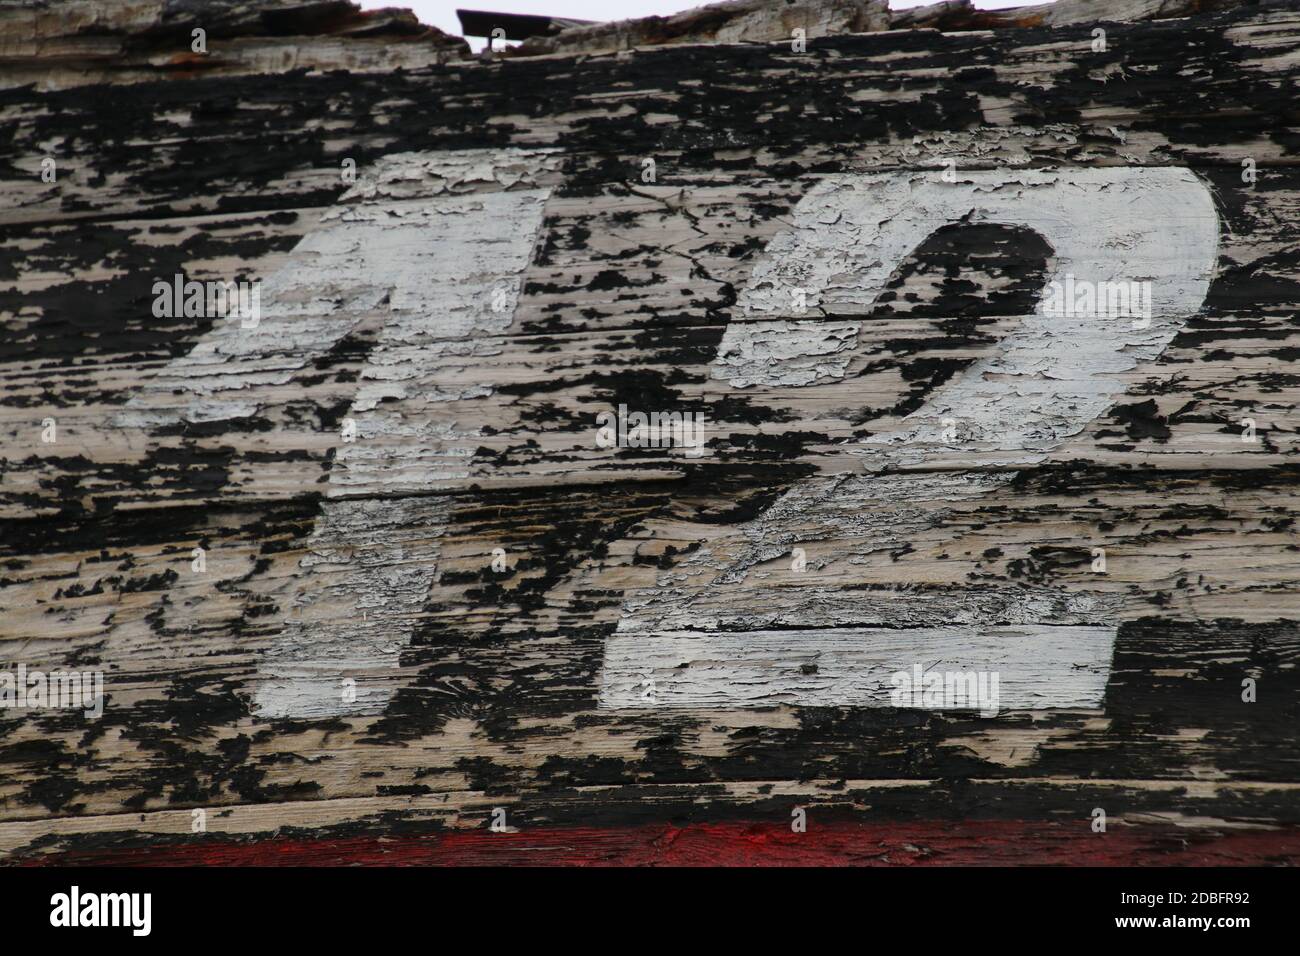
(465, 257)
(1052, 374)
(1038, 666)
(1050, 377)
(435, 244)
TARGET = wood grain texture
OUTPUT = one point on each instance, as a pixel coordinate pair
(479, 680)
(62, 43)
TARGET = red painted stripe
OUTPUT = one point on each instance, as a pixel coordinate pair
(836, 843)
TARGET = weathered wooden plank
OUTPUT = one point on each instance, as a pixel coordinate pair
(523, 644)
(985, 668)
(732, 21)
(1021, 96)
(79, 42)
(478, 565)
(557, 391)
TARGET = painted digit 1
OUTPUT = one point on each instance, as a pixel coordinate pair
(431, 269)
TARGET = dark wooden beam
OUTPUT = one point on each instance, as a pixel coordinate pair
(518, 26)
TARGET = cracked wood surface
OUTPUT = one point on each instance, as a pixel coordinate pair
(489, 689)
(66, 43)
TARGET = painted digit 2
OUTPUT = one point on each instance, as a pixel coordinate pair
(796, 643)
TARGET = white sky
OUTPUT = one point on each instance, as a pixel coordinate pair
(442, 13)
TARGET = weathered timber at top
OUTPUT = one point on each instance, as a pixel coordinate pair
(736, 21)
(75, 42)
